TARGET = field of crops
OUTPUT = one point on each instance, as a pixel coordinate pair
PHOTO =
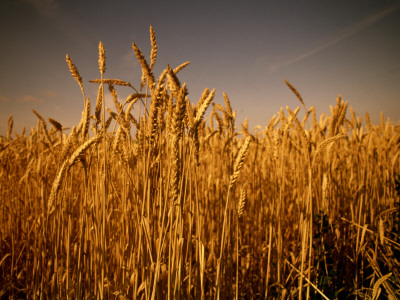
(162, 198)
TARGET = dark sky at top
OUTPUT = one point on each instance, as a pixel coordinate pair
(245, 48)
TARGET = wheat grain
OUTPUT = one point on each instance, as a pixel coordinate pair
(242, 201)
(102, 58)
(10, 124)
(228, 105)
(181, 67)
(154, 107)
(147, 72)
(75, 74)
(174, 83)
(57, 125)
(153, 53)
(294, 90)
(112, 81)
(190, 113)
(205, 101)
(240, 160)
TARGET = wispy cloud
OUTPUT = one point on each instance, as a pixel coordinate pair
(50, 94)
(4, 99)
(129, 65)
(30, 99)
(130, 58)
(339, 36)
(58, 108)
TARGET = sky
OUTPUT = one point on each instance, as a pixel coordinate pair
(244, 48)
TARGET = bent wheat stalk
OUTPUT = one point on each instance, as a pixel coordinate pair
(64, 169)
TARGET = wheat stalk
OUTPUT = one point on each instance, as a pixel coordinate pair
(67, 164)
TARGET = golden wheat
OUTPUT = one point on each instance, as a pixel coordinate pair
(152, 211)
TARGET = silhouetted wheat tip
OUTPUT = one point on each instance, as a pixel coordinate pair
(57, 125)
(10, 124)
(42, 120)
(295, 92)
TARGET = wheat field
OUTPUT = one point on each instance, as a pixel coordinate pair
(163, 198)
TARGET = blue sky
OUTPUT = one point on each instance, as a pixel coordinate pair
(244, 48)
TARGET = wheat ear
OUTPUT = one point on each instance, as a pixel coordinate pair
(200, 111)
(75, 74)
(102, 58)
(153, 112)
(43, 122)
(177, 127)
(242, 201)
(174, 83)
(145, 67)
(326, 143)
(240, 160)
(229, 115)
(181, 66)
(10, 124)
(293, 89)
(86, 119)
(65, 167)
(153, 54)
(57, 125)
(112, 81)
